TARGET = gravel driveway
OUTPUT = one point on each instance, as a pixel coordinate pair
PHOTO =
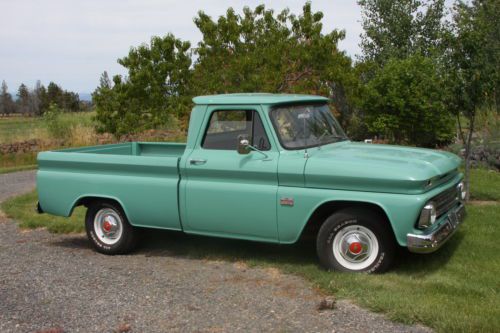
(53, 283)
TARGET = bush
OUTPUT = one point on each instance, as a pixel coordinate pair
(57, 126)
(405, 103)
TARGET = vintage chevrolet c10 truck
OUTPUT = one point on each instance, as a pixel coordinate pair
(268, 168)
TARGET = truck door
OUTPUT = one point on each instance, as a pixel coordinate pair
(226, 193)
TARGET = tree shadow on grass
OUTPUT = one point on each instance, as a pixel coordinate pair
(170, 243)
(167, 243)
(413, 264)
(161, 243)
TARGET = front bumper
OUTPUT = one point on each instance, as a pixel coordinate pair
(431, 241)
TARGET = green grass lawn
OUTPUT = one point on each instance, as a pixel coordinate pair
(453, 290)
(22, 208)
(484, 185)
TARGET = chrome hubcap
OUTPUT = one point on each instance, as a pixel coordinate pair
(355, 247)
(108, 226)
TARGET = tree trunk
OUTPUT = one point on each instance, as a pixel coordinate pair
(468, 155)
(467, 172)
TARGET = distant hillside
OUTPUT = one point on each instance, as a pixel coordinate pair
(85, 97)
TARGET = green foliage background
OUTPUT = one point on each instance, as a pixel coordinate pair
(413, 78)
(257, 51)
(404, 102)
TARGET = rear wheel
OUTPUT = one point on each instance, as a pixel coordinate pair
(108, 228)
(355, 240)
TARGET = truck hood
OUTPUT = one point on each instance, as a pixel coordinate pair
(378, 168)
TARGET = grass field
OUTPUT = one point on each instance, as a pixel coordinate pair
(18, 168)
(453, 290)
(15, 129)
(79, 126)
(17, 162)
(67, 130)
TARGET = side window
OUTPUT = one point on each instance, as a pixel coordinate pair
(225, 126)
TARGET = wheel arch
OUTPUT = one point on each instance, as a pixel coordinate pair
(88, 199)
(323, 210)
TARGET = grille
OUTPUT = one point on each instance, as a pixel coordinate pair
(446, 200)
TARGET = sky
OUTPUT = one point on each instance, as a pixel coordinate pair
(72, 42)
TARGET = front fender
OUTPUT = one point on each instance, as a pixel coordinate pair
(402, 210)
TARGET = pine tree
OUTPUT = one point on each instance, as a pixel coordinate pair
(6, 103)
(23, 100)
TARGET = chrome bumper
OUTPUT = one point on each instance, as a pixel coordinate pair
(430, 242)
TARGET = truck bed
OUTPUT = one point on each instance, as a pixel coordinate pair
(142, 177)
(134, 149)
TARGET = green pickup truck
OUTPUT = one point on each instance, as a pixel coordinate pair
(262, 167)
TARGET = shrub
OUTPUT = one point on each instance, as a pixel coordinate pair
(57, 126)
(404, 103)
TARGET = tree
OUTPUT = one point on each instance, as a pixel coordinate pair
(38, 100)
(402, 97)
(54, 95)
(111, 105)
(44, 100)
(64, 99)
(404, 103)
(255, 51)
(70, 101)
(261, 51)
(398, 29)
(7, 105)
(474, 65)
(23, 99)
(156, 90)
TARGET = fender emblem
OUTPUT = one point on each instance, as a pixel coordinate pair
(287, 201)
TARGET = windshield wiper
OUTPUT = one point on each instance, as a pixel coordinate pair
(325, 132)
(330, 135)
(340, 137)
(333, 136)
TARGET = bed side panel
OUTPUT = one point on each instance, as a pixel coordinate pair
(145, 186)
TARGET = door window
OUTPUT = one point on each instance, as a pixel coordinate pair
(225, 126)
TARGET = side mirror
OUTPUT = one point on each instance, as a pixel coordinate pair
(243, 144)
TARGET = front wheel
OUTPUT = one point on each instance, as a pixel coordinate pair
(355, 240)
(108, 228)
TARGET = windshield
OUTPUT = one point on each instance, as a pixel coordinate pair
(304, 126)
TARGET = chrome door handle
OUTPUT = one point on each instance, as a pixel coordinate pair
(195, 161)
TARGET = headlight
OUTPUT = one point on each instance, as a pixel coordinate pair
(461, 193)
(427, 216)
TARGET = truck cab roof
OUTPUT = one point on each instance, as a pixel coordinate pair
(256, 98)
